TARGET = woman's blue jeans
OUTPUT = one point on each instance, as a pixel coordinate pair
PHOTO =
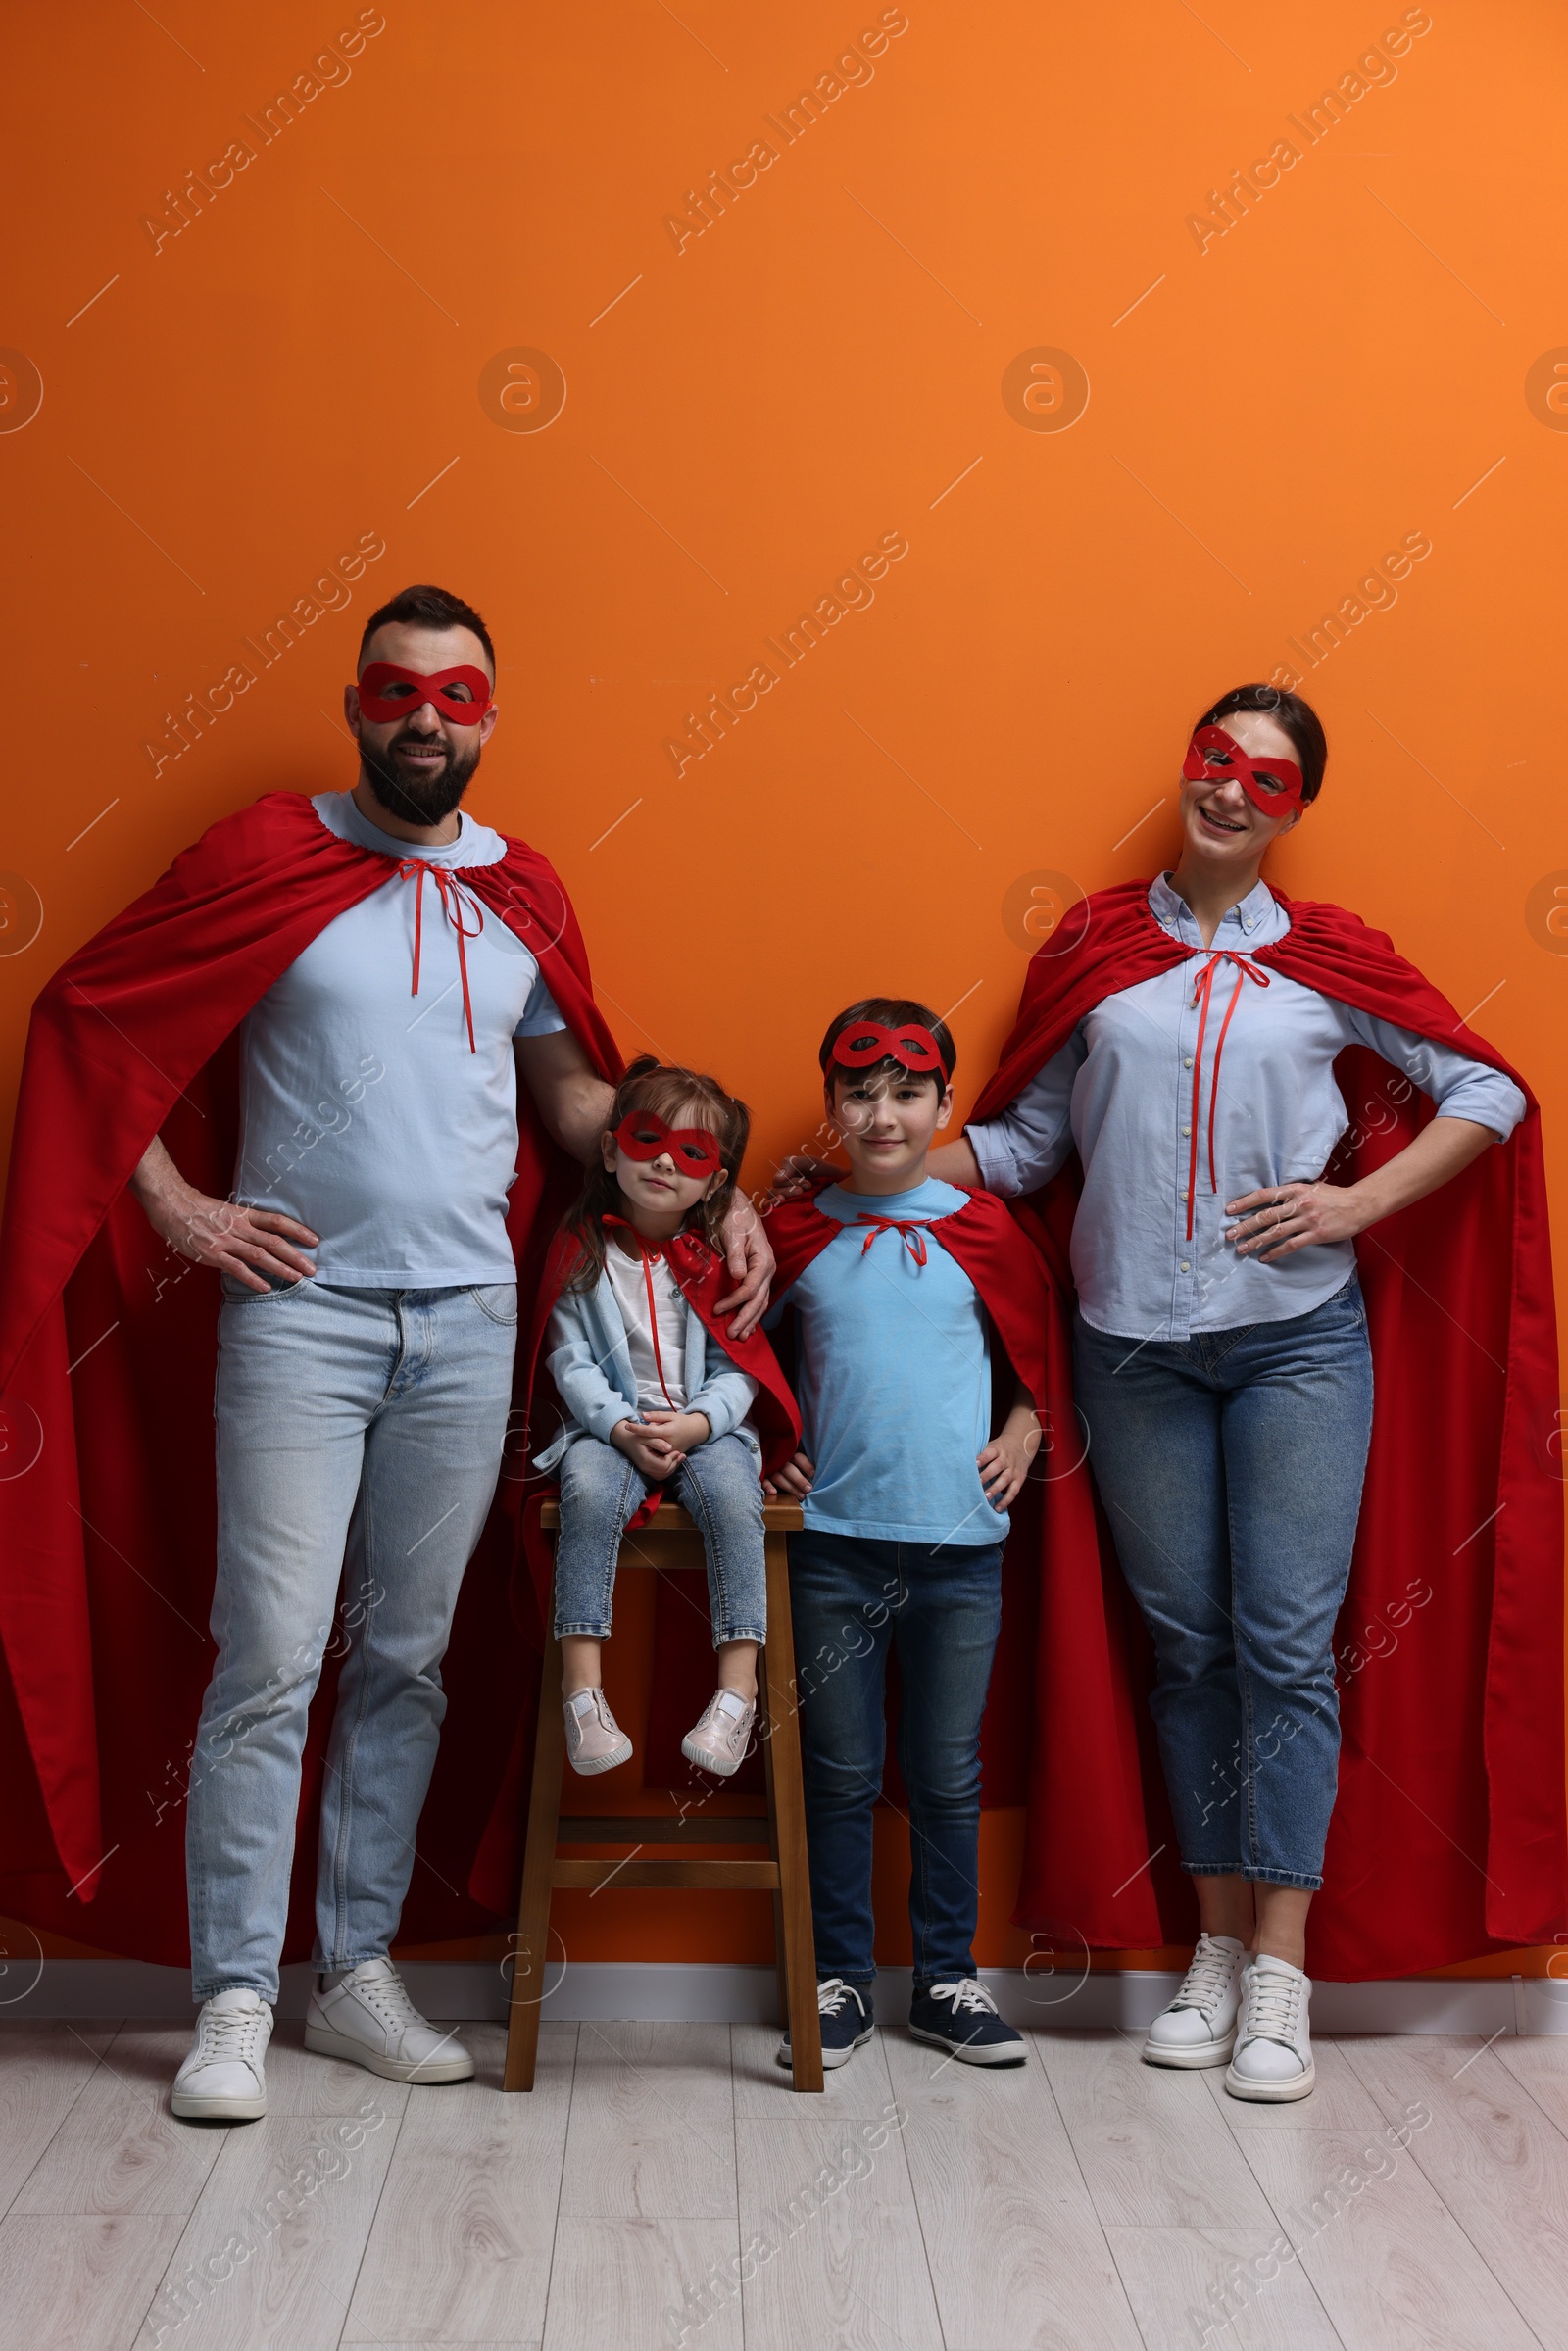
(854, 1599)
(1231, 1467)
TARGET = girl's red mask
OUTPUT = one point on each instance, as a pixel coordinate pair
(378, 705)
(643, 1135)
(1273, 786)
(863, 1042)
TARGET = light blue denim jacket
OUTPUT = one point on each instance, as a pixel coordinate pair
(590, 1363)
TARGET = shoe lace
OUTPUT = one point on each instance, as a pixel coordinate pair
(832, 1994)
(968, 1997)
(388, 1995)
(1273, 2007)
(229, 2032)
(1207, 1980)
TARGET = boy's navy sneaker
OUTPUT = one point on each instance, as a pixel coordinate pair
(845, 2010)
(961, 2018)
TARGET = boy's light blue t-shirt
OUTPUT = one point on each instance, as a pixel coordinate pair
(893, 1376)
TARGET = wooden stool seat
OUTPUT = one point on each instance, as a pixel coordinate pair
(669, 1539)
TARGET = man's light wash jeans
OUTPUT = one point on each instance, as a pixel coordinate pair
(359, 1444)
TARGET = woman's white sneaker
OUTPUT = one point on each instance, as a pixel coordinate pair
(1273, 2059)
(368, 2019)
(223, 2079)
(1199, 2028)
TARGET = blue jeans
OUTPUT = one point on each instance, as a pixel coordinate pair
(719, 1484)
(357, 1426)
(854, 1599)
(1230, 1466)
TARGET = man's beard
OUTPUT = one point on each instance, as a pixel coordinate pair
(424, 799)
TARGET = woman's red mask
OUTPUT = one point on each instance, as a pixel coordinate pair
(378, 702)
(864, 1042)
(1273, 786)
(643, 1135)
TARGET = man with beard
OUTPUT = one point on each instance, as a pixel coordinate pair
(369, 1254)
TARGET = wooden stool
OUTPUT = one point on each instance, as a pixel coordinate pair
(671, 1539)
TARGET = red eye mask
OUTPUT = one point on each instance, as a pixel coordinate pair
(866, 1040)
(1212, 755)
(377, 703)
(643, 1135)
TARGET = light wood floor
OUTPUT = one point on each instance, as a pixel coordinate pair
(1086, 2202)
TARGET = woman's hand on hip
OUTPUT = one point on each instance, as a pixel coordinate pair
(1292, 1216)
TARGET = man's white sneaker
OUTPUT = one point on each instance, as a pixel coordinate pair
(1199, 2028)
(368, 2019)
(223, 2079)
(1273, 2060)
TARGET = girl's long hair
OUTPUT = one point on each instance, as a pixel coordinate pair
(682, 1097)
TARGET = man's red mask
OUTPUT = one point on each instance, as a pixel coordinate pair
(864, 1042)
(643, 1135)
(1272, 785)
(378, 702)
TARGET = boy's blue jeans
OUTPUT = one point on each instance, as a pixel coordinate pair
(1230, 1465)
(854, 1599)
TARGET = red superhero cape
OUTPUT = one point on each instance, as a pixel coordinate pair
(1448, 1838)
(1078, 1755)
(107, 1355)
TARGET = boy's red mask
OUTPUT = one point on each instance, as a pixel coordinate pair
(1212, 755)
(377, 703)
(643, 1135)
(866, 1040)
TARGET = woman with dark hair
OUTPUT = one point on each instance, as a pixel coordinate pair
(1182, 1037)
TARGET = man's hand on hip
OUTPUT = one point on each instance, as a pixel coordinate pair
(251, 1244)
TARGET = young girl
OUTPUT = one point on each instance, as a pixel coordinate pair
(655, 1395)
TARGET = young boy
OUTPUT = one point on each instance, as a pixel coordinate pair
(895, 1280)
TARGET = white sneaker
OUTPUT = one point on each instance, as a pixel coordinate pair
(368, 2020)
(595, 1740)
(717, 1744)
(223, 2079)
(1273, 2060)
(1199, 2028)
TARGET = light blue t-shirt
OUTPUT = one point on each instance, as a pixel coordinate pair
(892, 1375)
(362, 1111)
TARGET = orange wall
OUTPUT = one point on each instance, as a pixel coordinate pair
(319, 360)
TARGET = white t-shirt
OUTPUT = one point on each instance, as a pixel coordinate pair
(626, 1280)
(362, 1111)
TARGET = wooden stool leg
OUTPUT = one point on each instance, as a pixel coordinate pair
(538, 1864)
(786, 1815)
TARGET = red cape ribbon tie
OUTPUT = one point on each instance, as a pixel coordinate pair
(863, 1042)
(650, 1256)
(1203, 991)
(377, 703)
(643, 1135)
(914, 1232)
(1273, 785)
(454, 899)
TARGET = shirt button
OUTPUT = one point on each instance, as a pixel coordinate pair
(1187, 1063)
(1187, 1130)
(1186, 1269)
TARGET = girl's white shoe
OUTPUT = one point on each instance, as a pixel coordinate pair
(1273, 2059)
(595, 1740)
(718, 1741)
(1199, 2028)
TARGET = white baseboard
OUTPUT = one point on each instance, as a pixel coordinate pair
(630, 1992)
